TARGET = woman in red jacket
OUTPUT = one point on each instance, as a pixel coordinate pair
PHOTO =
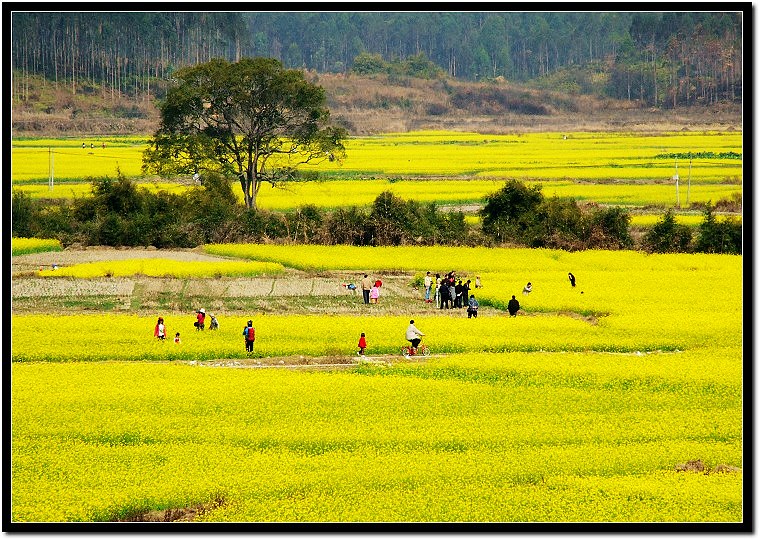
(200, 324)
(160, 330)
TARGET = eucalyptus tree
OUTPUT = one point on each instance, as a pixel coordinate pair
(253, 120)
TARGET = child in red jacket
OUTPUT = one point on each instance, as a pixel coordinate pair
(362, 345)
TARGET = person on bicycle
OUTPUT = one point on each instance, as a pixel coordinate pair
(413, 335)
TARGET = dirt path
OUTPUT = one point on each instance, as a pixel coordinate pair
(309, 362)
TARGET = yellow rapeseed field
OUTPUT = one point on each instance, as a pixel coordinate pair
(529, 156)
(617, 400)
(21, 246)
(36, 159)
(157, 267)
(690, 220)
(362, 192)
(539, 437)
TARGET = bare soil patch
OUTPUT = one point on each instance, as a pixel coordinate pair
(310, 362)
(76, 255)
(174, 514)
(697, 466)
(59, 287)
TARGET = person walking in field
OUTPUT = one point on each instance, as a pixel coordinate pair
(176, 338)
(472, 307)
(374, 294)
(527, 289)
(366, 286)
(362, 344)
(571, 277)
(478, 285)
(249, 334)
(513, 306)
(214, 323)
(200, 323)
(159, 331)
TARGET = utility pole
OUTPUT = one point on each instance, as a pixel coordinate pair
(52, 174)
(688, 184)
(675, 177)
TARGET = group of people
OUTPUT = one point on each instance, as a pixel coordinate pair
(249, 333)
(449, 292)
(200, 321)
(413, 335)
(370, 289)
(160, 332)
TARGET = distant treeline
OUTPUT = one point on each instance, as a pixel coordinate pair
(659, 59)
(120, 213)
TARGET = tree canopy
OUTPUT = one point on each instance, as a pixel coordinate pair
(661, 59)
(253, 120)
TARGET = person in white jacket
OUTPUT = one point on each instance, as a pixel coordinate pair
(413, 335)
(428, 287)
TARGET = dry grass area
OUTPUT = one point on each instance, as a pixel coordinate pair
(368, 105)
(77, 255)
(292, 292)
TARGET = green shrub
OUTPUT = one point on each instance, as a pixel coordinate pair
(719, 236)
(511, 213)
(22, 214)
(667, 236)
(609, 228)
(346, 226)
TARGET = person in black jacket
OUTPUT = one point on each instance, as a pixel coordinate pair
(459, 291)
(513, 306)
(571, 277)
(444, 293)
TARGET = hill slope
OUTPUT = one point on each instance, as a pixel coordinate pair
(376, 104)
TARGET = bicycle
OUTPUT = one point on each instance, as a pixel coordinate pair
(422, 350)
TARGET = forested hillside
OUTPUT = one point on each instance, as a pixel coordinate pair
(663, 60)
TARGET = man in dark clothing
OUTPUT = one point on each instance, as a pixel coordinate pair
(513, 306)
(458, 290)
(444, 293)
(571, 277)
(366, 286)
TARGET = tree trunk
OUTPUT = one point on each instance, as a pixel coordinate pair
(654, 74)
(250, 186)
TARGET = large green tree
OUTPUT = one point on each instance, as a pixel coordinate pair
(252, 119)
